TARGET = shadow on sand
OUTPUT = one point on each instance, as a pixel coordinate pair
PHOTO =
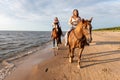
(87, 58)
(100, 54)
(107, 42)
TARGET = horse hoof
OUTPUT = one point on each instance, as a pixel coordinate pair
(78, 66)
(57, 48)
(70, 60)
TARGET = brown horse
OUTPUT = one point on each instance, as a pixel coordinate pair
(56, 36)
(78, 37)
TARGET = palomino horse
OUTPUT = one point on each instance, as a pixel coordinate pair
(56, 35)
(78, 38)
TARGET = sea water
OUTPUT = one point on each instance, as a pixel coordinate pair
(13, 42)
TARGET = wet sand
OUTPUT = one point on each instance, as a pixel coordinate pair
(100, 61)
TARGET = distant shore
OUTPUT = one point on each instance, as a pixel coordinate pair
(108, 29)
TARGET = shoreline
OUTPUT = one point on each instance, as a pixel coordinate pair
(24, 51)
(7, 65)
(101, 59)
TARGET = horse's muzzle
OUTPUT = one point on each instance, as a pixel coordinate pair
(89, 39)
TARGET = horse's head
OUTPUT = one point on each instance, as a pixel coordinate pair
(56, 31)
(87, 29)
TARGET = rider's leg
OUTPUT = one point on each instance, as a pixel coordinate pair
(67, 35)
(66, 38)
(53, 43)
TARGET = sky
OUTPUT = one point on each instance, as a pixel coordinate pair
(38, 15)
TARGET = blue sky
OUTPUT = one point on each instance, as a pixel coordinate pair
(37, 15)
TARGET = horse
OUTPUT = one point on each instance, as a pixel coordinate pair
(56, 35)
(78, 38)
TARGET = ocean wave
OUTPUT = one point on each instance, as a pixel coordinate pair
(13, 42)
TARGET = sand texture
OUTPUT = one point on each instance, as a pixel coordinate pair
(100, 61)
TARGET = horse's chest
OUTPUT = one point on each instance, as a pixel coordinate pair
(78, 44)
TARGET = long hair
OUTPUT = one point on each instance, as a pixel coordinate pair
(76, 11)
(56, 20)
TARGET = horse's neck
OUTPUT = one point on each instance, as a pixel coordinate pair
(56, 28)
(57, 24)
(78, 31)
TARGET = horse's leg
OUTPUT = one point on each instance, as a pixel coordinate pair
(79, 56)
(60, 39)
(57, 42)
(69, 50)
(53, 42)
(71, 55)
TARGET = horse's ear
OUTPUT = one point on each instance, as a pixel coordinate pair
(83, 20)
(91, 19)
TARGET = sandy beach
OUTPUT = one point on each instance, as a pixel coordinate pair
(100, 61)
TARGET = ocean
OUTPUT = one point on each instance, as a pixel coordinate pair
(13, 42)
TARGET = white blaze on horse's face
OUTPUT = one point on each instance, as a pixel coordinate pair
(87, 31)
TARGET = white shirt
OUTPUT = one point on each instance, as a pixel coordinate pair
(73, 22)
(55, 25)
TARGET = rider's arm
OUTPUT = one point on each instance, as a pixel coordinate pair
(53, 25)
(70, 21)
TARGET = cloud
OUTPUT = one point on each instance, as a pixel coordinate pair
(23, 14)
